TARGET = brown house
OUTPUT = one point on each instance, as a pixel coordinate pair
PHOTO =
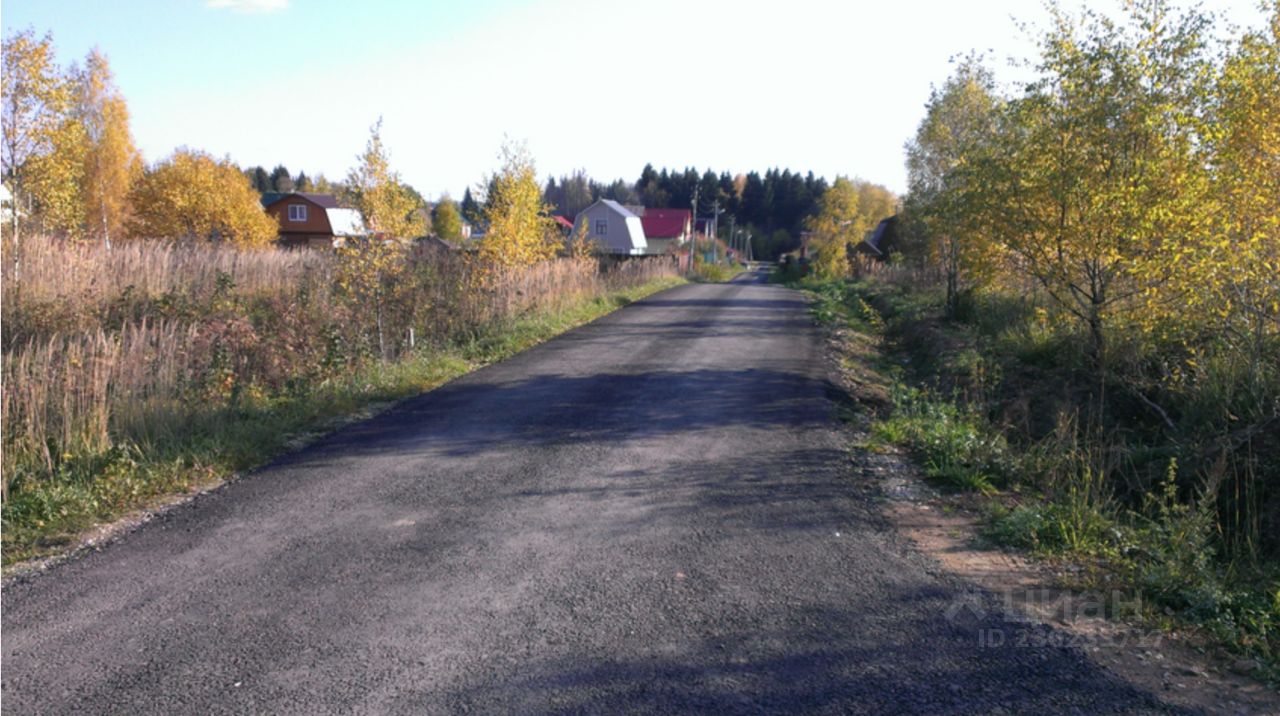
(312, 220)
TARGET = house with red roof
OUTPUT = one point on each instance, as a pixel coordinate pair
(665, 229)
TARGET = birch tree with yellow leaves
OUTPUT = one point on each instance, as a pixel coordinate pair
(1098, 178)
(944, 168)
(520, 230)
(835, 227)
(384, 201)
(111, 162)
(41, 146)
(1230, 276)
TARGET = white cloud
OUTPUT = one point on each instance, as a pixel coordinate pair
(248, 6)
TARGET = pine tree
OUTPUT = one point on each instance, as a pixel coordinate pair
(261, 180)
(470, 207)
(281, 180)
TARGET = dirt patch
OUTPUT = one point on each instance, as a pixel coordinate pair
(1169, 664)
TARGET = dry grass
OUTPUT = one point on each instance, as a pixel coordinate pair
(128, 345)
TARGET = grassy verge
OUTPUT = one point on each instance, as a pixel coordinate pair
(715, 273)
(953, 400)
(47, 516)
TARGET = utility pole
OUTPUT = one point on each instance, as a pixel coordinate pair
(716, 211)
(715, 231)
(733, 236)
(693, 242)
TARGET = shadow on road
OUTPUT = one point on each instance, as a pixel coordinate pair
(469, 417)
(822, 660)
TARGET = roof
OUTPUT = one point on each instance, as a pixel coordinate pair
(665, 223)
(327, 201)
(876, 243)
(626, 213)
(563, 222)
(439, 243)
(346, 222)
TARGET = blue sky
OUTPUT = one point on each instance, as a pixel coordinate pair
(833, 87)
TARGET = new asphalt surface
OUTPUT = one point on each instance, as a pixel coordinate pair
(653, 513)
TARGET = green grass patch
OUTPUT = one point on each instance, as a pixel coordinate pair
(955, 449)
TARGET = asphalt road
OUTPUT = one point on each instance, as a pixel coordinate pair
(652, 513)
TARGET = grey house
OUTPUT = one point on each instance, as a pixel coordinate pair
(614, 228)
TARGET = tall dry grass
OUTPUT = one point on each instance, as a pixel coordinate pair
(52, 284)
(126, 345)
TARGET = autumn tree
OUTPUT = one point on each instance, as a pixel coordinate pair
(520, 230)
(1230, 277)
(111, 162)
(321, 184)
(387, 205)
(35, 101)
(191, 195)
(55, 179)
(1097, 175)
(370, 276)
(875, 202)
(446, 222)
(835, 228)
(945, 177)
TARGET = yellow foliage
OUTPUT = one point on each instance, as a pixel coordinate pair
(386, 205)
(1230, 274)
(111, 162)
(836, 227)
(54, 180)
(946, 162)
(579, 243)
(41, 148)
(1096, 179)
(520, 230)
(191, 195)
(369, 274)
(447, 222)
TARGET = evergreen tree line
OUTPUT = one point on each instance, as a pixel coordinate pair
(771, 206)
(281, 180)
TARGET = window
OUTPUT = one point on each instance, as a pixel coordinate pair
(602, 227)
(297, 212)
